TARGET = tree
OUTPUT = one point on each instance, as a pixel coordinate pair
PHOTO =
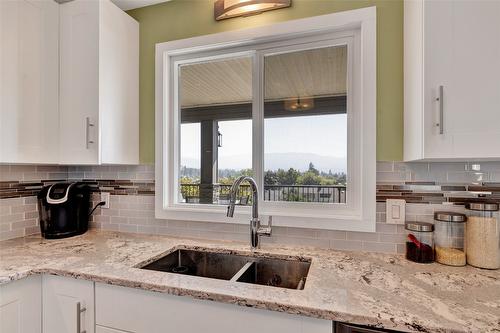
(309, 178)
(313, 169)
(270, 178)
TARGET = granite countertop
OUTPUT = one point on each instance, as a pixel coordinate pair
(372, 289)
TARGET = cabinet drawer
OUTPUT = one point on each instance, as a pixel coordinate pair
(141, 311)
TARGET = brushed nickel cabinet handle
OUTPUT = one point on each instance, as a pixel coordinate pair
(79, 311)
(88, 125)
(440, 99)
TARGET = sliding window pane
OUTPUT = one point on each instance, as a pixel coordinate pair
(305, 125)
(216, 129)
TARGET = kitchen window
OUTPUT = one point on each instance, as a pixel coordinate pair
(292, 105)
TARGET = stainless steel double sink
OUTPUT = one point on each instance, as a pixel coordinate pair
(275, 272)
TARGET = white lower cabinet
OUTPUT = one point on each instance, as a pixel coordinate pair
(138, 311)
(21, 306)
(68, 305)
(54, 304)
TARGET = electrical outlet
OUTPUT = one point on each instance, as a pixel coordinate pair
(395, 211)
(105, 196)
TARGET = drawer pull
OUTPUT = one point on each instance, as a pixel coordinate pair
(440, 99)
(79, 311)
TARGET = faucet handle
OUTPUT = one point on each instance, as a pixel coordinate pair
(268, 229)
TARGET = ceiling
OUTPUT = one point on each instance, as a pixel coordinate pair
(131, 4)
(317, 72)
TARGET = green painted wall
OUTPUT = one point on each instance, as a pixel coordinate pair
(179, 19)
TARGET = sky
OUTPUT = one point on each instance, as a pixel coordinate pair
(324, 135)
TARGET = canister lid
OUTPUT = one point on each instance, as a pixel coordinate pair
(485, 206)
(450, 217)
(419, 226)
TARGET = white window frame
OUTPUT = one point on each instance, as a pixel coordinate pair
(357, 30)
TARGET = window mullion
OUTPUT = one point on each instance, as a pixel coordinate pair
(258, 120)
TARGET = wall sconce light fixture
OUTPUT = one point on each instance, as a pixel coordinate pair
(224, 9)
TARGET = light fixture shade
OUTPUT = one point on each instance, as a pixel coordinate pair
(224, 9)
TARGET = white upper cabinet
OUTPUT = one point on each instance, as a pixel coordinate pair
(452, 79)
(99, 98)
(29, 75)
(69, 83)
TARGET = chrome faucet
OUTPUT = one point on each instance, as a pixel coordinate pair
(256, 230)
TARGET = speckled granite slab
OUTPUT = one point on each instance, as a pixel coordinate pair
(363, 288)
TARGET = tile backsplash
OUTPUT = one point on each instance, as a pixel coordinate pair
(425, 186)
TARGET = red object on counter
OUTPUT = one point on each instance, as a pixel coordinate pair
(415, 241)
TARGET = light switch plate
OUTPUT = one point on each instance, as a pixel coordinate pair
(395, 211)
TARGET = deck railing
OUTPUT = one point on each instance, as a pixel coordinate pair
(190, 193)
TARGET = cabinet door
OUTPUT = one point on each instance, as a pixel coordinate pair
(474, 101)
(21, 306)
(29, 67)
(438, 31)
(462, 54)
(140, 311)
(118, 86)
(68, 305)
(79, 83)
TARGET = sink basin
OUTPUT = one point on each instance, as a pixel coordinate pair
(199, 263)
(275, 272)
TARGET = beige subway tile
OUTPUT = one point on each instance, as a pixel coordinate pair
(31, 215)
(347, 245)
(11, 234)
(5, 210)
(127, 228)
(11, 202)
(109, 212)
(110, 226)
(12, 218)
(332, 234)
(362, 236)
(24, 208)
(379, 247)
(302, 232)
(380, 217)
(147, 229)
(386, 228)
(101, 218)
(30, 200)
(118, 219)
(392, 238)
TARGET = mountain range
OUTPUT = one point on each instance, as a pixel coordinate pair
(274, 161)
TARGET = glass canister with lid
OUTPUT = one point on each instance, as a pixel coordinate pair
(449, 238)
(419, 242)
(483, 235)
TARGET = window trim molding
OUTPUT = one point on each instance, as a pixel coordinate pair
(362, 20)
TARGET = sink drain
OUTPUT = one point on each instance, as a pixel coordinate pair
(180, 269)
